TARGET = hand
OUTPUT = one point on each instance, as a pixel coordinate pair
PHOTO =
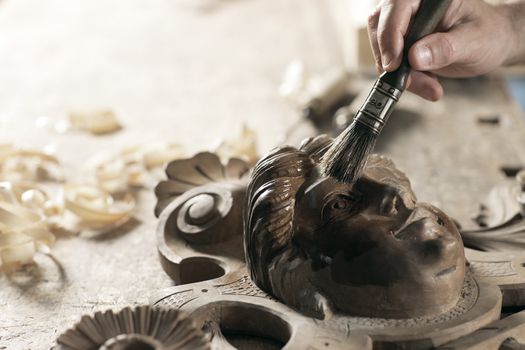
(472, 39)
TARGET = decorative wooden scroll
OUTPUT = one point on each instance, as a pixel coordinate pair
(201, 235)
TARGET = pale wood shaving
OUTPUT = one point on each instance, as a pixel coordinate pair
(98, 121)
(19, 164)
(24, 230)
(132, 166)
(243, 146)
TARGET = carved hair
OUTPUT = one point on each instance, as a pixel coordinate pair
(268, 224)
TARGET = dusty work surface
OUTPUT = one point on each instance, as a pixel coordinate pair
(191, 72)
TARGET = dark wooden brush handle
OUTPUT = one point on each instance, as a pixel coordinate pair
(425, 21)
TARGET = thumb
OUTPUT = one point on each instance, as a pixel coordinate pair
(436, 51)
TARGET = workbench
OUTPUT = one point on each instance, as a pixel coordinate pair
(192, 72)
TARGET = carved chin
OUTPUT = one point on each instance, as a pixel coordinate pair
(431, 292)
(315, 294)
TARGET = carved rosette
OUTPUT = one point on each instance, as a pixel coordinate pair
(501, 219)
(203, 169)
(141, 328)
(207, 193)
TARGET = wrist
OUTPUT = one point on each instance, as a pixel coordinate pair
(515, 15)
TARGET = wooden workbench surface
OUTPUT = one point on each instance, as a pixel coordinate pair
(191, 71)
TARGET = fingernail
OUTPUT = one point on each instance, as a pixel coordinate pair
(424, 56)
(386, 57)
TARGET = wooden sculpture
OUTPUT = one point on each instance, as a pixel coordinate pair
(363, 261)
(495, 249)
(501, 219)
(205, 201)
(255, 257)
(364, 250)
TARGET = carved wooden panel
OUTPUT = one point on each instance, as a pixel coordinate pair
(215, 290)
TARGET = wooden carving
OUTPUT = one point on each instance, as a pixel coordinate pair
(364, 261)
(495, 249)
(501, 219)
(240, 313)
(200, 208)
(365, 250)
(186, 174)
(141, 328)
(504, 269)
(504, 334)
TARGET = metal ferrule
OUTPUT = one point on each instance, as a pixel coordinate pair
(378, 106)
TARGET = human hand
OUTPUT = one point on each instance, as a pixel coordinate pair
(472, 39)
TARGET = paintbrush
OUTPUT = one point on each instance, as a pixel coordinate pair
(346, 158)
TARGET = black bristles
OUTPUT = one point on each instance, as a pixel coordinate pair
(346, 158)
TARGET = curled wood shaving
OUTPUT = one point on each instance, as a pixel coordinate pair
(32, 196)
(29, 214)
(130, 167)
(101, 121)
(159, 155)
(24, 230)
(20, 164)
(244, 147)
(96, 208)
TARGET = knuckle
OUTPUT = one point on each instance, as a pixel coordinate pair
(447, 48)
(373, 18)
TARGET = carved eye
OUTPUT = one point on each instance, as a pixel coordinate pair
(338, 205)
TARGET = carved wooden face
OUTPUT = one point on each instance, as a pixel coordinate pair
(374, 250)
(367, 250)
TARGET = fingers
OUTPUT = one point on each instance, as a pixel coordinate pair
(386, 29)
(439, 50)
(394, 18)
(373, 20)
(425, 85)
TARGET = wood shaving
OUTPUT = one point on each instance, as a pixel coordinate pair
(96, 208)
(29, 214)
(17, 164)
(243, 147)
(130, 168)
(24, 230)
(159, 155)
(33, 196)
(98, 122)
